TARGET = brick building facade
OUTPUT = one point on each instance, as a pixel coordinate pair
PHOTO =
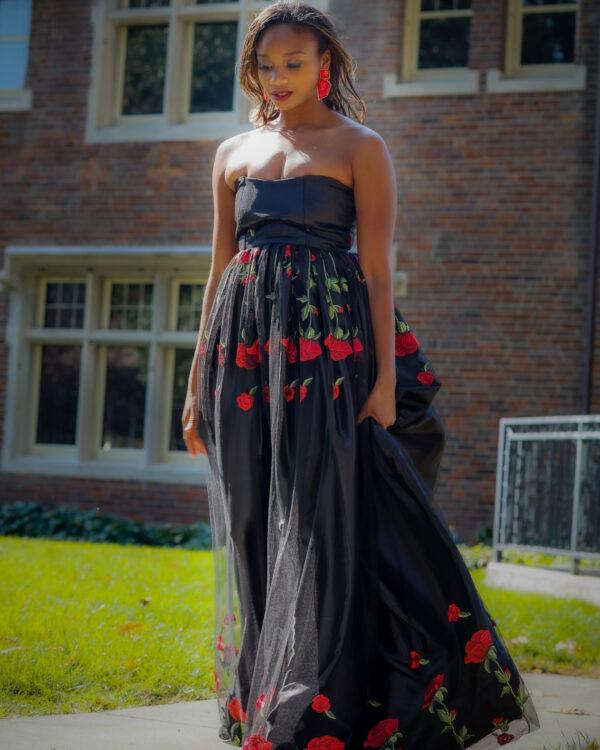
(109, 122)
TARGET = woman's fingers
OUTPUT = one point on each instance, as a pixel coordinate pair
(193, 442)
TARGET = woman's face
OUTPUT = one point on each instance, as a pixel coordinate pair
(289, 64)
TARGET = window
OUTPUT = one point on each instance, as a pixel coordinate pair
(541, 48)
(166, 69)
(435, 48)
(99, 362)
(15, 23)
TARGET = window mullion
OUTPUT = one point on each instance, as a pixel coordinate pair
(155, 391)
(89, 390)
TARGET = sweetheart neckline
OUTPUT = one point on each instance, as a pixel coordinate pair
(296, 177)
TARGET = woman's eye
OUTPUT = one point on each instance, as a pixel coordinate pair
(290, 65)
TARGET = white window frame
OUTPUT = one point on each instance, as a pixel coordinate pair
(26, 271)
(434, 81)
(109, 21)
(19, 99)
(546, 77)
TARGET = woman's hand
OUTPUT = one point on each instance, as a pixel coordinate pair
(189, 420)
(380, 404)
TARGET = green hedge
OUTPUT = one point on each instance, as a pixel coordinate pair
(35, 520)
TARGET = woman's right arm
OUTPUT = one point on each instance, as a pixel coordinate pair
(224, 247)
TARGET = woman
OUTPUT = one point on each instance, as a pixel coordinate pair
(345, 616)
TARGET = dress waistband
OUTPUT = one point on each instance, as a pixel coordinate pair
(283, 232)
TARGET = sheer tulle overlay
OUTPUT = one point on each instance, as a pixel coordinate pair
(345, 617)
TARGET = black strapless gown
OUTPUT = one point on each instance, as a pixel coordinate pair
(345, 616)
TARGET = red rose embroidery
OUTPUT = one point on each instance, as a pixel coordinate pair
(312, 256)
(245, 401)
(290, 349)
(381, 732)
(287, 252)
(303, 391)
(432, 688)
(220, 643)
(217, 680)
(257, 742)
(357, 346)
(406, 343)
(415, 657)
(425, 377)
(498, 721)
(267, 345)
(266, 394)
(203, 348)
(245, 256)
(477, 646)
(288, 392)
(235, 709)
(453, 712)
(254, 351)
(289, 272)
(338, 348)
(336, 390)
(321, 703)
(326, 742)
(260, 701)
(244, 358)
(505, 738)
(309, 349)
(221, 354)
(453, 611)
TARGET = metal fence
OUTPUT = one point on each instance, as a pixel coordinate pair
(548, 486)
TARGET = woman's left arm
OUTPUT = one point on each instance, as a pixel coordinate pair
(376, 197)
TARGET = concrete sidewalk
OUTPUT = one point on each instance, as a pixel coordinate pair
(193, 725)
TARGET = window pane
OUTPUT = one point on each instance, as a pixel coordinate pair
(548, 38)
(131, 306)
(59, 387)
(125, 396)
(15, 17)
(148, 3)
(65, 304)
(444, 42)
(189, 308)
(213, 71)
(13, 63)
(145, 70)
(445, 5)
(183, 363)
(542, 3)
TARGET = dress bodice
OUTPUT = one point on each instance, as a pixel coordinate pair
(313, 210)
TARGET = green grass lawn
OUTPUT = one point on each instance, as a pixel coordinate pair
(89, 627)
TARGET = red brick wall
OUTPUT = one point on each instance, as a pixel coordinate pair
(493, 230)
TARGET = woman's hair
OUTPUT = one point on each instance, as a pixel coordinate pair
(342, 96)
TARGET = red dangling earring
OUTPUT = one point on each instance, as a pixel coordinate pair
(266, 95)
(324, 85)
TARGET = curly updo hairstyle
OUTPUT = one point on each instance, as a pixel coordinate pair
(342, 96)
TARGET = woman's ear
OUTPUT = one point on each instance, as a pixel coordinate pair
(326, 59)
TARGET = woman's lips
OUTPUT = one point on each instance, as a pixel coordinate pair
(281, 95)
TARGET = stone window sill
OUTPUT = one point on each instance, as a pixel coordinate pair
(496, 83)
(464, 82)
(15, 100)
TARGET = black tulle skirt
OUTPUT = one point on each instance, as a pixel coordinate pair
(345, 617)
